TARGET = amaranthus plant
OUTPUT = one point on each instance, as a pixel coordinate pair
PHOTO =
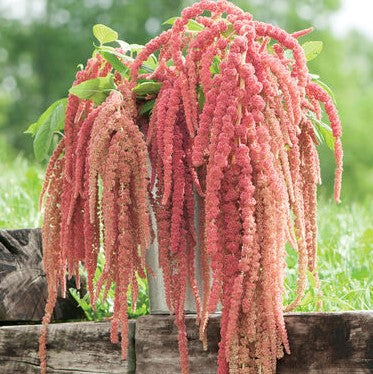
(223, 110)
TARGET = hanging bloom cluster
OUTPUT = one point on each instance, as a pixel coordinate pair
(231, 132)
(100, 167)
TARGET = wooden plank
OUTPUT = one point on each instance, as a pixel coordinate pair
(23, 286)
(330, 343)
(75, 348)
(157, 348)
(321, 343)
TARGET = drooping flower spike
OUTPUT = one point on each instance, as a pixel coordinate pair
(107, 187)
(231, 150)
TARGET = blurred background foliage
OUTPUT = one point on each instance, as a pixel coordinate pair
(43, 41)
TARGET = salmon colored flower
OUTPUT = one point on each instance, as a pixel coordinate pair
(229, 139)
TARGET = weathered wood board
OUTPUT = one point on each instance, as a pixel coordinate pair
(321, 343)
(23, 285)
(74, 348)
(329, 343)
(157, 348)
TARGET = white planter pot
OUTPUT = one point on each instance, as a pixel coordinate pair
(157, 298)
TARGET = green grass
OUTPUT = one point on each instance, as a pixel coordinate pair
(20, 185)
(104, 307)
(344, 258)
(345, 238)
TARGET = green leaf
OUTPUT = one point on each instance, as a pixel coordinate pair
(113, 51)
(319, 137)
(228, 31)
(147, 67)
(326, 88)
(201, 97)
(136, 48)
(270, 49)
(46, 116)
(50, 122)
(32, 129)
(322, 131)
(147, 107)
(314, 76)
(170, 21)
(192, 25)
(147, 88)
(327, 134)
(312, 49)
(96, 89)
(42, 143)
(114, 61)
(124, 45)
(215, 66)
(104, 34)
(151, 62)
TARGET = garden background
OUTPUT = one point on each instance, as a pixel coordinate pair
(43, 41)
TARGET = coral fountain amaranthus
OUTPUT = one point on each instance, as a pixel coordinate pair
(232, 127)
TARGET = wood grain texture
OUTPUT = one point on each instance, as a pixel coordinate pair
(330, 343)
(23, 285)
(74, 348)
(157, 348)
(321, 343)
